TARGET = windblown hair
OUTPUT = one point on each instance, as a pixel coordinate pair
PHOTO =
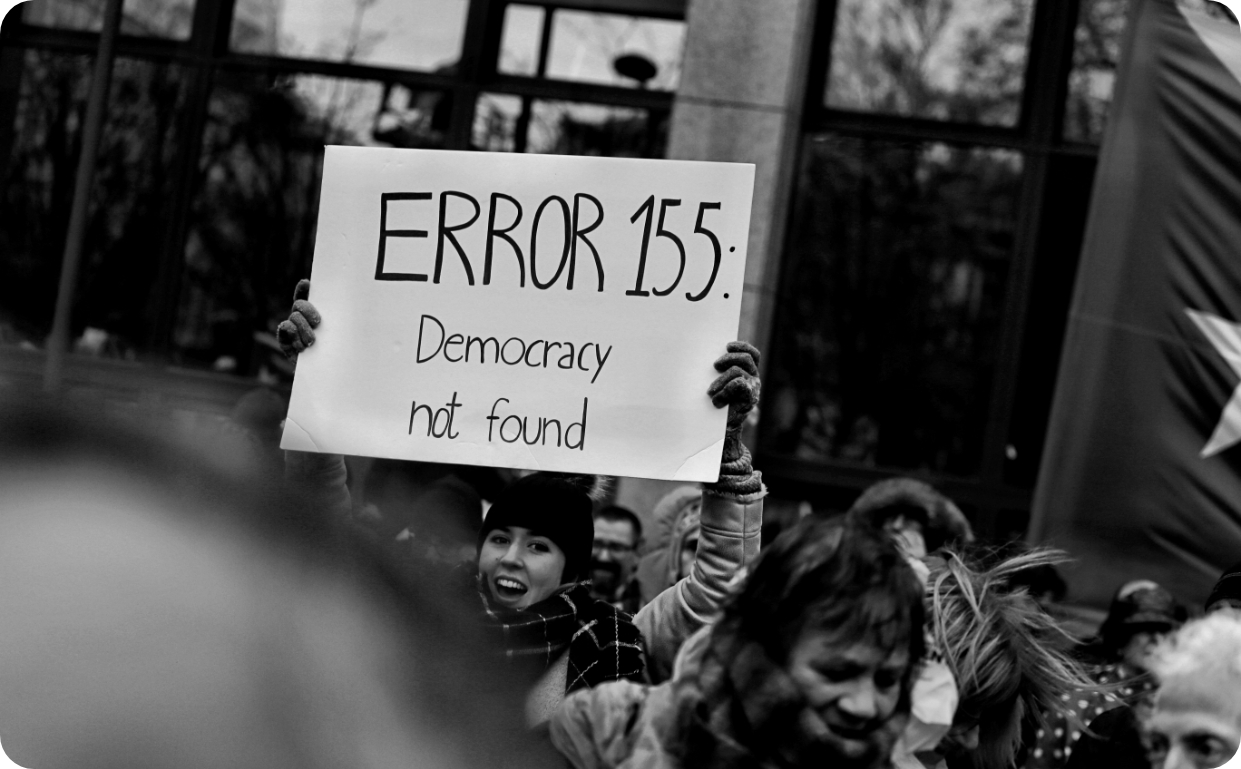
(1009, 657)
(830, 574)
(1211, 643)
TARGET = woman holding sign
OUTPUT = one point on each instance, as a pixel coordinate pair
(535, 544)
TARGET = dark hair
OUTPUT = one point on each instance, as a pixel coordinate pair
(942, 523)
(829, 573)
(1138, 606)
(618, 513)
(1228, 587)
(552, 507)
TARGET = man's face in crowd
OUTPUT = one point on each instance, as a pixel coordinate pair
(1196, 724)
(615, 554)
(852, 690)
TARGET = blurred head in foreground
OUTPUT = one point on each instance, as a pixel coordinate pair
(156, 610)
(1196, 723)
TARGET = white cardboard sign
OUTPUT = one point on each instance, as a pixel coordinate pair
(531, 311)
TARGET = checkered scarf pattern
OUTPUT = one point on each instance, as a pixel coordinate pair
(603, 643)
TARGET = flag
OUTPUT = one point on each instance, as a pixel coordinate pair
(1141, 472)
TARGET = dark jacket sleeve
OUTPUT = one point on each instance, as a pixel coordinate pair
(323, 478)
(1113, 741)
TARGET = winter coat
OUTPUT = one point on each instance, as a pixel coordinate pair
(623, 725)
(676, 519)
(728, 541)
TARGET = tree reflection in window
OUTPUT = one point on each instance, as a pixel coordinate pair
(125, 222)
(1096, 54)
(958, 60)
(894, 288)
(255, 211)
(148, 18)
(418, 34)
(568, 128)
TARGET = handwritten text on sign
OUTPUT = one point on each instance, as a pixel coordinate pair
(528, 311)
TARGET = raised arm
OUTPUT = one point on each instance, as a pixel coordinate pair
(732, 520)
(323, 476)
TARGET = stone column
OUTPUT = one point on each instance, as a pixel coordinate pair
(743, 84)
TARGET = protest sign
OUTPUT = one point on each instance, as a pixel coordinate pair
(530, 311)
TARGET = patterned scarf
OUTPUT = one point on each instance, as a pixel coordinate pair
(603, 643)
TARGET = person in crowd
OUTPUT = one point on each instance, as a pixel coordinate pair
(1007, 656)
(163, 608)
(923, 519)
(809, 665)
(1196, 722)
(735, 500)
(614, 559)
(670, 553)
(1227, 591)
(430, 513)
(1141, 613)
(534, 553)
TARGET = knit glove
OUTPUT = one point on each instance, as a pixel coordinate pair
(297, 333)
(737, 387)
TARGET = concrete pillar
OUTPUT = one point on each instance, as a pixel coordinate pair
(743, 84)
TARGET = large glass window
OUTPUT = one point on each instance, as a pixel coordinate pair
(521, 43)
(1096, 54)
(958, 60)
(125, 228)
(254, 215)
(590, 47)
(604, 48)
(204, 205)
(888, 323)
(418, 34)
(511, 124)
(152, 18)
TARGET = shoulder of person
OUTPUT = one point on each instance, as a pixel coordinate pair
(600, 609)
(604, 726)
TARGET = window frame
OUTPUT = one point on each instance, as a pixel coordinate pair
(206, 52)
(1038, 135)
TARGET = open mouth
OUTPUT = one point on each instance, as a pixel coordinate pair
(509, 588)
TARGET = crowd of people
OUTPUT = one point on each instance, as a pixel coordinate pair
(165, 604)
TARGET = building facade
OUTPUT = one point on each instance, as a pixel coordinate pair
(923, 177)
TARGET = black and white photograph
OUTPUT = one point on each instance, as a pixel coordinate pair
(620, 384)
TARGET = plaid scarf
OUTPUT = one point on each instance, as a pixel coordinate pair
(603, 643)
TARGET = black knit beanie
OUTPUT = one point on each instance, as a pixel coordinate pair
(550, 507)
(1228, 586)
